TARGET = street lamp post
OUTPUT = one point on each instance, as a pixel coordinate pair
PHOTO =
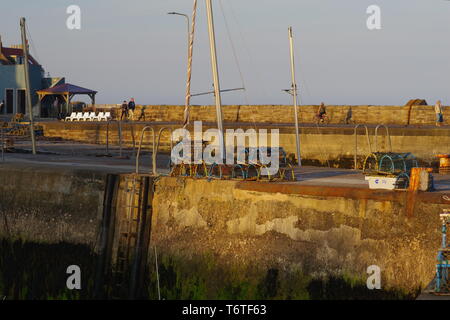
(189, 60)
(188, 22)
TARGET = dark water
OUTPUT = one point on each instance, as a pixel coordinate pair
(35, 271)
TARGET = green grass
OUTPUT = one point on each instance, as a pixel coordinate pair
(202, 278)
(36, 271)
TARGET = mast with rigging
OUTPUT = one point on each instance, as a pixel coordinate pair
(294, 94)
(215, 72)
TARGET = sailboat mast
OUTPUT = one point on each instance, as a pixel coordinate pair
(215, 72)
(294, 94)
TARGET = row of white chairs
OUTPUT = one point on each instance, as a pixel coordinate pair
(89, 116)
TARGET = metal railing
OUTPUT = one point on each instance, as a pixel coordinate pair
(156, 150)
(155, 147)
(2, 143)
(132, 138)
(387, 135)
(120, 137)
(119, 131)
(154, 170)
(356, 142)
(107, 137)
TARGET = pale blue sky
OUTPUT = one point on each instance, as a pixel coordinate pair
(133, 48)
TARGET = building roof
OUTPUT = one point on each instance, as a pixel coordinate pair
(67, 88)
(17, 52)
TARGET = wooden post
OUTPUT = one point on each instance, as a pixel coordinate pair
(27, 82)
(413, 190)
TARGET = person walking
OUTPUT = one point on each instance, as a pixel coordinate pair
(124, 110)
(131, 107)
(438, 111)
(142, 115)
(2, 105)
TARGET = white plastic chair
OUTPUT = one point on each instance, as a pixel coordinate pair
(85, 117)
(100, 116)
(78, 117)
(106, 116)
(72, 116)
(92, 116)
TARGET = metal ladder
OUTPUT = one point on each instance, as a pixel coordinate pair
(355, 133)
(131, 235)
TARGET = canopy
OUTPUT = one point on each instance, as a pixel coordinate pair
(67, 90)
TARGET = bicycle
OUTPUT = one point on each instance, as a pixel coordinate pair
(321, 119)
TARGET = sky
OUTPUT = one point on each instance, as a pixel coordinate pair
(135, 49)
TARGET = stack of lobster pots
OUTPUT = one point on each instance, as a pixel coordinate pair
(444, 163)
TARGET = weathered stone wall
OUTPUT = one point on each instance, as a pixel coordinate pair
(312, 232)
(369, 114)
(50, 204)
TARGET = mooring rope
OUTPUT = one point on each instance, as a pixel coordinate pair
(189, 76)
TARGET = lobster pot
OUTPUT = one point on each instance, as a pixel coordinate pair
(397, 162)
(394, 163)
(444, 163)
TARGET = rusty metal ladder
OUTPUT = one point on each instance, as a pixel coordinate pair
(131, 237)
(128, 223)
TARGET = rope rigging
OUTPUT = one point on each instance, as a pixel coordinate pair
(248, 51)
(233, 48)
(302, 79)
(235, 56)
(33, 47)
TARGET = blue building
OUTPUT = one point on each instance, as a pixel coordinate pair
(12, 81)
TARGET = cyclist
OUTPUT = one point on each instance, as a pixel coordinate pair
(321, 112)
